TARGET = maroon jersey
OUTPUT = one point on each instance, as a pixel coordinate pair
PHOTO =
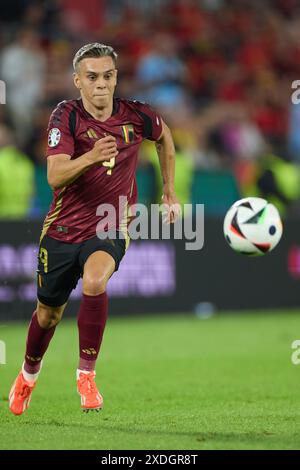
(73, 131)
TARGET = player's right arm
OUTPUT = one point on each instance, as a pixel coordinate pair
(61, 170)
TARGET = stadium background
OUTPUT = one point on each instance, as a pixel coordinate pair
(220, 72)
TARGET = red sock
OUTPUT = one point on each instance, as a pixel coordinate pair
(38, 339)
(91, 323)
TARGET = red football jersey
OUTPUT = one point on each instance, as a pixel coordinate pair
(73, 131)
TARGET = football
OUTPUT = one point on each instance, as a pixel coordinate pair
(252, 226)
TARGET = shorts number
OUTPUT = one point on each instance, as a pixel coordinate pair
(44, 259)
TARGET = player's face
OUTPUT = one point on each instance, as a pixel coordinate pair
(97, 78)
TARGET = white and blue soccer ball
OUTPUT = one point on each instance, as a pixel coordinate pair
(252, 226)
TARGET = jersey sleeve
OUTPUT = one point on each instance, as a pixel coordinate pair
(60, 138)
(151, 121)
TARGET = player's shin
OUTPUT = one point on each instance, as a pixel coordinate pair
(91, 324)
(38, 340)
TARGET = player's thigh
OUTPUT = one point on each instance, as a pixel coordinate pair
(97, 270)
(98, 260)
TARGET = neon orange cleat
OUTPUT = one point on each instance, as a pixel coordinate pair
(87, 389)
(20, 395)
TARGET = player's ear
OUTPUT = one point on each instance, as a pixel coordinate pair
(76, 80)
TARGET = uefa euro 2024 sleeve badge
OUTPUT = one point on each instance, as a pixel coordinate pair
(54, 137)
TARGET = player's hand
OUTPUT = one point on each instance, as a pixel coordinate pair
(104, 149)
(171, 207)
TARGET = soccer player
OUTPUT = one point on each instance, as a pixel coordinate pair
(92, 156)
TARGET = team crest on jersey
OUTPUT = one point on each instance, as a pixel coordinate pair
(128, 133)
(54, 137)
(91, 134)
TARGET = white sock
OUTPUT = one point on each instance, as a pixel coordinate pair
(31, 377)
(79, 371)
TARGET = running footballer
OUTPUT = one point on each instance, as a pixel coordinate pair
(92, 156)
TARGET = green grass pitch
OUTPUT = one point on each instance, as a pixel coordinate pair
(169, 382)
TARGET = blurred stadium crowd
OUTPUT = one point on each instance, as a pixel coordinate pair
(220, 72)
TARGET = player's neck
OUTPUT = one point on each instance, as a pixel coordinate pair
(101, 114)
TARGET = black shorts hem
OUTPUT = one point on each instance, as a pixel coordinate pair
(50, 302)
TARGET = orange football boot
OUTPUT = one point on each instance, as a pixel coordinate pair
(20, 395)
(87, 389)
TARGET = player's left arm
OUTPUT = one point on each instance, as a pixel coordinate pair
(166, 153)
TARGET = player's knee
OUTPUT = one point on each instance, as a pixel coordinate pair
(49, 316)
(94, 285)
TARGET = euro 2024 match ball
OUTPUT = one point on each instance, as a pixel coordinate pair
(252, 226)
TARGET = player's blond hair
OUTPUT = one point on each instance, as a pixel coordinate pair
(95, 49)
